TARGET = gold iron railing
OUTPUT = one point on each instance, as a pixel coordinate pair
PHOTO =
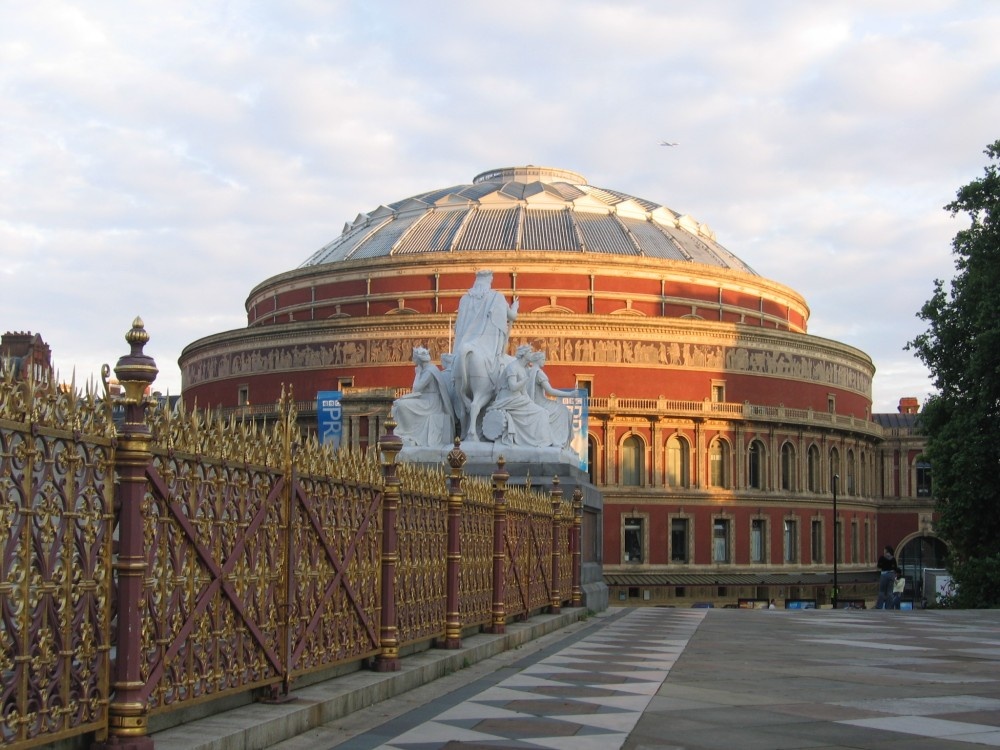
(183, 557)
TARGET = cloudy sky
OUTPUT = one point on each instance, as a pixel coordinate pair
(160, 159)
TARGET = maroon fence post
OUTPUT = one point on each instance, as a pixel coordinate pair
(389, 446)
(128, 712)
(500, 478)
(575, 544)
(555, 597)
(453, 618)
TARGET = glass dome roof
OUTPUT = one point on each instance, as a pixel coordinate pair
(527, 210)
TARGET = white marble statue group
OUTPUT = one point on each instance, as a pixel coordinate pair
(489, 395)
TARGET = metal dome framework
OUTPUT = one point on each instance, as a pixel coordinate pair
(527, 209)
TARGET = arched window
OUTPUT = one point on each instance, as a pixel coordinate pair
(718, 463)
(813, 468)
(852, 487)
(788, 467)
(922, 485)
(632, 463)
(835, 468)
(756, 462)
(678, 463)
(864, 475)
(720, 541)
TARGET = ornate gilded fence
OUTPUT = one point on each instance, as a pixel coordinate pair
(528, 545)
(56, 516)
(234, 558)
(262, 558)
(476, 581)
(421, 574)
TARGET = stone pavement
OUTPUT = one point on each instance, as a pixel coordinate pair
(697, 679)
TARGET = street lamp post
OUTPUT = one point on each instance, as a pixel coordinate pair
(836, 593)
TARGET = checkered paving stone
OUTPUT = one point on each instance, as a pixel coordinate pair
(936, 716)
(587, 696)
(970, 719)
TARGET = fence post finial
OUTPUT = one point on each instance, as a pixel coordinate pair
(555, 597)
(453, 617)
(128, 712)
(389, 446)
(499, 478)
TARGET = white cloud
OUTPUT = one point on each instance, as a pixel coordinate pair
(162, 159)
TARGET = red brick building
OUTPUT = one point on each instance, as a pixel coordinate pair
(26, 355)
(717, 422)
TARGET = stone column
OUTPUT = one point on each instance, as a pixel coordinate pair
(657, 457)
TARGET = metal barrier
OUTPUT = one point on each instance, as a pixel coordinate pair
(233, 558)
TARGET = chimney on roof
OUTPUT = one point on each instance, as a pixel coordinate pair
(908, 405)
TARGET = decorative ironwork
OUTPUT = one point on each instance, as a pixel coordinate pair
(476, 572)
(528, 543)
(567, 557)
(56, 516)
(263, 556)
(389, 446)
(421, 573)
(336, 556)
(248, 555)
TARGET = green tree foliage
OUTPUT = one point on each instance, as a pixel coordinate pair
(961, 348)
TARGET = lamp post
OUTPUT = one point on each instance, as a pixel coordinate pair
(836, 593)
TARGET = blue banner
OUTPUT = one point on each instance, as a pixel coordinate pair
(329, 417)
(578, 408)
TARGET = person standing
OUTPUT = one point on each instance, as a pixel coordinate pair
(887, 576)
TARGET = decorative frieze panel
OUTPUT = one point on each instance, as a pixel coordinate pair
(577, 350)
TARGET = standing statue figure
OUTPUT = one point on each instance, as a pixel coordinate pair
(482, 329)
(425, 416)
(514, 418)
(560, 418)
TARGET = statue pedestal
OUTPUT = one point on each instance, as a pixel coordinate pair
(522, 463)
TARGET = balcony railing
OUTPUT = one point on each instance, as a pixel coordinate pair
(661, 407)
(641, 407)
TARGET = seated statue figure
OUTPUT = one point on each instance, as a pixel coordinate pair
(425, 416)
(514, 418)
(560, 418)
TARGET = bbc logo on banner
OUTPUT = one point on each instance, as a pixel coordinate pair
(330, 417)
(578, 408)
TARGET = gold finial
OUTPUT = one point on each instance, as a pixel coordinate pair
(456, 456)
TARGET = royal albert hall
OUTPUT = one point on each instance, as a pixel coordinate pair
(721, 433)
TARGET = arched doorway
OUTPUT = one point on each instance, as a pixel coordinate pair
(914, 556)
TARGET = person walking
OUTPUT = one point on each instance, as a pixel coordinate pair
(887, 576)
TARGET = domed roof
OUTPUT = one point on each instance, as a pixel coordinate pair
(527, 209)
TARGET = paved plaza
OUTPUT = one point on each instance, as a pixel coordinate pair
(695, 678)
